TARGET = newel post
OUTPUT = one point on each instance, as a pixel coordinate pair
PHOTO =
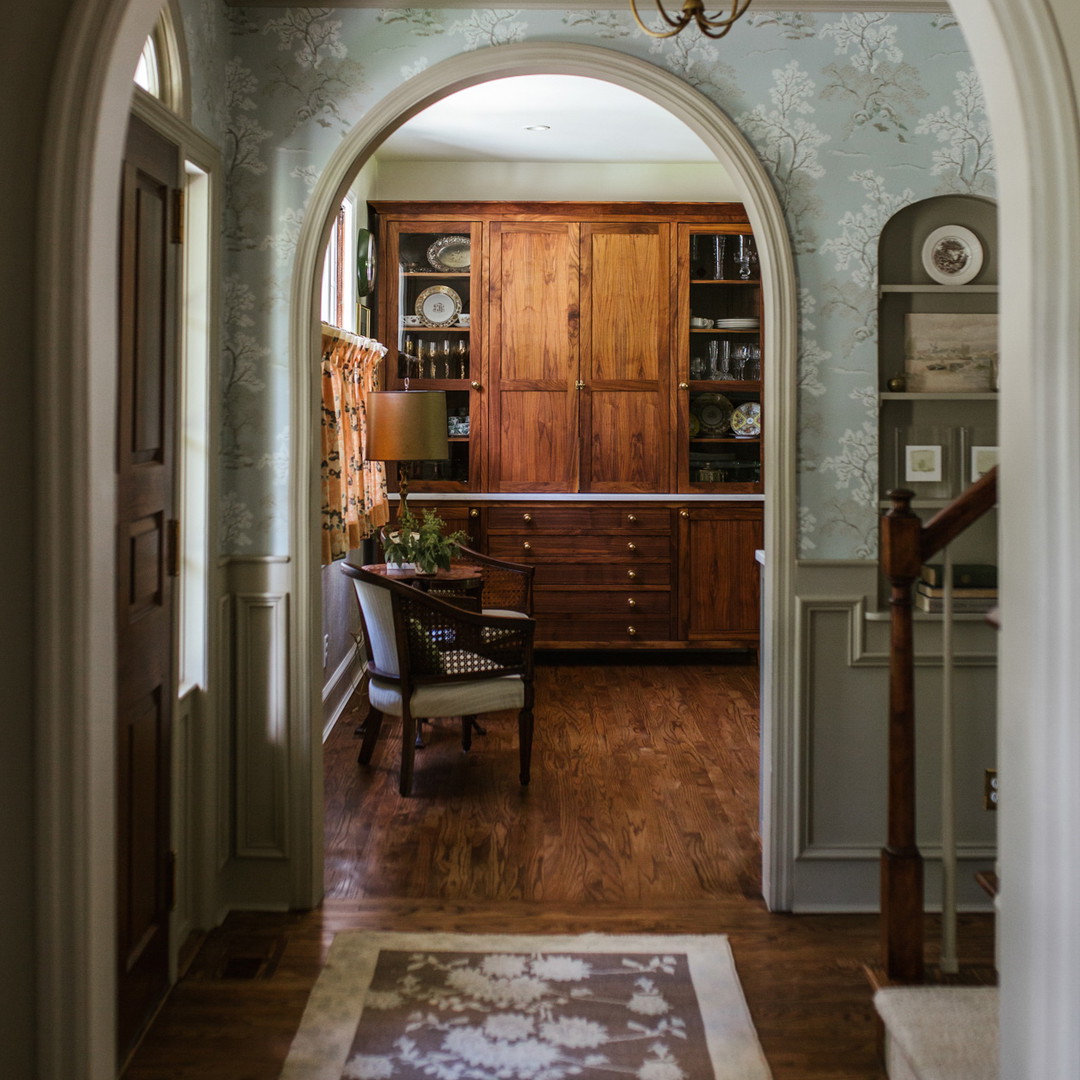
(901, 862)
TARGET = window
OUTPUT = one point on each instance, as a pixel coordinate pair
(160, 65)
(338, 307)
(148, 70)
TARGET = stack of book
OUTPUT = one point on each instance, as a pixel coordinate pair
(975, 588)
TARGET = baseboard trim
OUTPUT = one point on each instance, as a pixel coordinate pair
(340, 688)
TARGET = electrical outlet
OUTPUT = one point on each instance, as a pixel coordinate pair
(325, 650)
(990, 789)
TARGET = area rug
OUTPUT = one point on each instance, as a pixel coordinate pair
(513, 1007)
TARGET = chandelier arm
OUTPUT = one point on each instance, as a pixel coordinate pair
(677, 24)
(693, 11)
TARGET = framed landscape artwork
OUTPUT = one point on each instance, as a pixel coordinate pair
(951, 353)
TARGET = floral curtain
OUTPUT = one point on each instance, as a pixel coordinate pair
(354, 502)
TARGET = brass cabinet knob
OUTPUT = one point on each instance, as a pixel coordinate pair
(526, 518)
(475, 385)
(631, 547)
(527, 546)
(684, 513)
(684, 386)
(631, 631)
(474, 513)
(631, 602)
(632, 518)
(631, 574)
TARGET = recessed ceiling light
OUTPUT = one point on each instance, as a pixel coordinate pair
(538, 127)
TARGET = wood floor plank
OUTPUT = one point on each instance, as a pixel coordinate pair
(641, 818)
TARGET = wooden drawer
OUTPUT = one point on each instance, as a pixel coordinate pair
(636, 574)
(602, 629)
(549, 547)
(574, 520)
(601, 602)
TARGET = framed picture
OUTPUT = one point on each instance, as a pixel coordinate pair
(363, 320)
(983, 459)
(950, 353)
(923, 464)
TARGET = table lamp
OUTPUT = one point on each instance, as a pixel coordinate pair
(406, 425)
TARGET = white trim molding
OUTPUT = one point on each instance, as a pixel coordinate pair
(735, 154)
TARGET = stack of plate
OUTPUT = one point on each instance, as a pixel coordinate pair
(737, 324)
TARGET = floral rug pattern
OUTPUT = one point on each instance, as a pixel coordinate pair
(547, 1016)
(504, 1007)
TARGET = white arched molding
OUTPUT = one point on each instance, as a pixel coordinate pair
(1029, 58)
(733, 151)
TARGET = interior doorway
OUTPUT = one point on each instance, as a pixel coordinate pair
(726, 148)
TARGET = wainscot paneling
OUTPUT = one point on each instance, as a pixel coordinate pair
(842, 716)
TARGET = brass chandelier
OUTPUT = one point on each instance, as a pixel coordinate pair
(694, 11)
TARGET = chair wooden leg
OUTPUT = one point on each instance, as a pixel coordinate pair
(371, 733)
(408, 751)
(467, 725)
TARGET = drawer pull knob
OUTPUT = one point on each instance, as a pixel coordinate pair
(527, 546)
(684, 513)
(474, 513)
(526, 518)
(631, 602)
(632, 518)
(631, 631)
(631, 574)
(631, 547)
(684, 386)
(475, 385)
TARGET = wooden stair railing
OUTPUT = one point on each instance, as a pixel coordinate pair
(906, 544)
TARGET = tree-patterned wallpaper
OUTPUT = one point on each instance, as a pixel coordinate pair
(854, 115)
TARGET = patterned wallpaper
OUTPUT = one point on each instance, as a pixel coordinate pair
(854, 115)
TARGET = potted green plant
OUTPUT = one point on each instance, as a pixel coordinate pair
(422, 543)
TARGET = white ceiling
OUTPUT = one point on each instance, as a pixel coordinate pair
(589, 121)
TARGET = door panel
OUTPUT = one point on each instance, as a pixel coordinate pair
(533, 356)
(626, 285)
(144, 589)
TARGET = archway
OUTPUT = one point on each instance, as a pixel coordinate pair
(734, 152)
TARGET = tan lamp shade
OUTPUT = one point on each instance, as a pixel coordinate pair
(406, 425)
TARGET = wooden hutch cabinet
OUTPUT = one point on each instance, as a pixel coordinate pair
(593, 415)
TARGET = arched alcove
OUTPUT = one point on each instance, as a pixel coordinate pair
(733, 152)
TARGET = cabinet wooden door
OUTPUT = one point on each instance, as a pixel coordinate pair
(626, 305)
(532, 358)
(718, 574)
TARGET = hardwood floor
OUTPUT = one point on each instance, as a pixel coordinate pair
(641, 817)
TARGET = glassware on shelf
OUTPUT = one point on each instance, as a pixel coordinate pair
(745, 256)
(697, 368)
(461, 354)
(446, 358)
(718, 244)
(714, 359)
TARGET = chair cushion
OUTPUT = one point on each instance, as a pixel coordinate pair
(451, 698)
(506, 613)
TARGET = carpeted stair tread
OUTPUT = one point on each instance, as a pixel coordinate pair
(940, 1033)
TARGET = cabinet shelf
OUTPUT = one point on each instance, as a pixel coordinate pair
(725, 281)
(733, 386)
(911, 395)
(435, 274)
(955, 290)
(723, 439)
(721, 330)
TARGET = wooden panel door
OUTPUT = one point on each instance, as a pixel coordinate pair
(532, 358)
(144, 587)
(719, 575)
(627, 286)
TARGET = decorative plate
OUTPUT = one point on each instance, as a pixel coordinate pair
(952, 255)
(451, 253)
(695, 425)
(746, 420)
(713, 412)
(438, 306)
(365, 263)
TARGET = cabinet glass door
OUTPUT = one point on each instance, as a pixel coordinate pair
(428, 325)
(721, 365)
